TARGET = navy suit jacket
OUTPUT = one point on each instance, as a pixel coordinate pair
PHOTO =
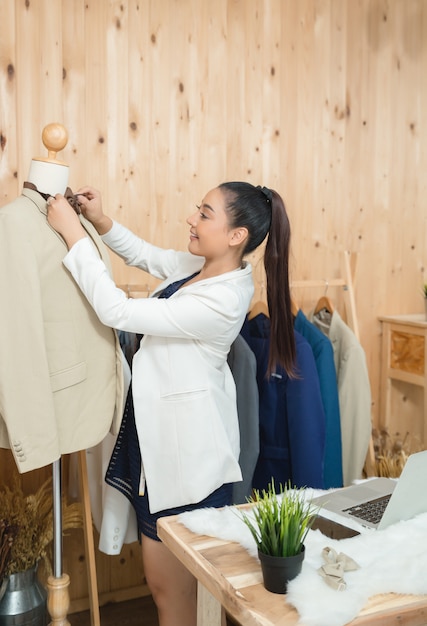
(292, 419)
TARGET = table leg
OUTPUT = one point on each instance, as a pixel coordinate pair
(209, 610)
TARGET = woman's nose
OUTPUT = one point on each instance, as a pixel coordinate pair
(191, 220)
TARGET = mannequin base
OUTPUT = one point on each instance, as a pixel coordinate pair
(58, 600)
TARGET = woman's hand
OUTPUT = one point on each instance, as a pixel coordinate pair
(91, 204)
(62, 217)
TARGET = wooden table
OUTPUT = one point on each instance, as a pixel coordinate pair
(229, 581)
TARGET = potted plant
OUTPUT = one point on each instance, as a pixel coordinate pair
(26, 534)
(279, 523)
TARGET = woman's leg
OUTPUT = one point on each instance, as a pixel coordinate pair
(173, 588)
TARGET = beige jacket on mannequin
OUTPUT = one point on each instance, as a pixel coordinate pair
(60, 367)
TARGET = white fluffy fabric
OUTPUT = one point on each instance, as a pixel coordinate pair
(391, 560)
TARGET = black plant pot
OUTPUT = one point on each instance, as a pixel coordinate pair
(277, 571)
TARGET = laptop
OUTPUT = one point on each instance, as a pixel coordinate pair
(380, 502)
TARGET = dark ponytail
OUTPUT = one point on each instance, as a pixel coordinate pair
(276, 263)
(262, 211)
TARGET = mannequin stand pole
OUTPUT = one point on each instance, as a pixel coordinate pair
(57, 518)
(58, 600)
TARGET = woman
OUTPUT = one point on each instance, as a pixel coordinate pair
(180, 428)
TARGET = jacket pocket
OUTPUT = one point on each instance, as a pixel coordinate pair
(68, 377)
(194, 439)
(185, 396)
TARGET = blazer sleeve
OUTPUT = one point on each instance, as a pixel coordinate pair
(139, 253)
(202, 313)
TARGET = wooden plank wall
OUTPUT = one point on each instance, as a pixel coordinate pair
(323, 100)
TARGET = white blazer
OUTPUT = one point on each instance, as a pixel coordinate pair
(184, 392)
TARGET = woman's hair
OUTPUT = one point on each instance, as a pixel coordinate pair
(262, 211)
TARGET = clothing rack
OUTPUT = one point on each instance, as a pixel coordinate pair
(130, 289)
(95, 617)
(348, 291)
(346, 283)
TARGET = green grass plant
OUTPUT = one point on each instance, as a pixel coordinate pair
(279, 522)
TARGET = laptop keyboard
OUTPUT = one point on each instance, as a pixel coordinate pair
(371, 511)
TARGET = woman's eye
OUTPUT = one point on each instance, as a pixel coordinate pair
(202, 215)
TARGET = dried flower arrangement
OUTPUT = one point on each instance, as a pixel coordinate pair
(392, 451)
(29, 520)
(7, 536)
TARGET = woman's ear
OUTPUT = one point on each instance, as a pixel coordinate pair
(239, 236)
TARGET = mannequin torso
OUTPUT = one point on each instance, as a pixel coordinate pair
(48, 177)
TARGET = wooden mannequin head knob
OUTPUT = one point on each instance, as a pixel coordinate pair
(54, 137)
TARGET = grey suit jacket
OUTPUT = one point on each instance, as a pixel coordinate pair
(60, 367)
(243, 366)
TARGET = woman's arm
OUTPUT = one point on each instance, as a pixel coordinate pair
(137, 252)
(62, 217)
(201, 314)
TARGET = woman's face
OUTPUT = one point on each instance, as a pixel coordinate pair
(210, 234)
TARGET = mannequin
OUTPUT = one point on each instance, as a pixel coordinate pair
(50, 176)
(60, 368)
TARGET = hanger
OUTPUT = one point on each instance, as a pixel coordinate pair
(324, 302)
(129, 289)
(294, 307)
(259, 308)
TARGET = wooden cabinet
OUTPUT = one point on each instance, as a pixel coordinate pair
(403, 402)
